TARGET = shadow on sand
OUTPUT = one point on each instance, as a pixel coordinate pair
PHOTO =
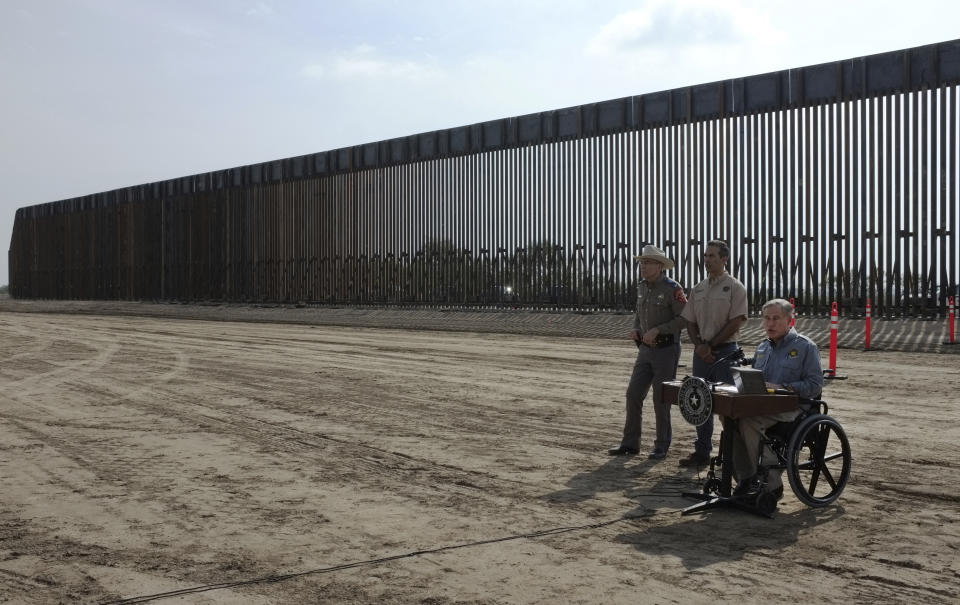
(698, 540)
(725, 534)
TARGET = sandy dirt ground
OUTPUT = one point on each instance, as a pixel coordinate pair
(177, 461)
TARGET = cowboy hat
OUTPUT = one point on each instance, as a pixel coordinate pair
(651, 252)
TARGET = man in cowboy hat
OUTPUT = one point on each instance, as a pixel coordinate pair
(656, 331)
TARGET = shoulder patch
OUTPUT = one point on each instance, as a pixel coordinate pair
(678, 293)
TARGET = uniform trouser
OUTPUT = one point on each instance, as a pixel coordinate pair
(746, 448)
(712, 373)
(653, 366)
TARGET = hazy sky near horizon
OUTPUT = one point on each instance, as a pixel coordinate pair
(103, 94)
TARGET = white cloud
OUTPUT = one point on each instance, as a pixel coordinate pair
(671, 43)
(665, 25)
(364, 61)
(359, 66)
(624, 30)
(262, 9)
(313, 71)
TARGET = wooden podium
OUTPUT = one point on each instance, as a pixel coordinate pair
(730, 406)
(727, 402)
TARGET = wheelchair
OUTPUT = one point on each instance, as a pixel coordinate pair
(812, 449)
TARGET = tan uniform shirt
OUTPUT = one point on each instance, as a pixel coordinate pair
(713, 303)
(658, 306)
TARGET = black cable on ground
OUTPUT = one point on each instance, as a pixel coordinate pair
(288, 576)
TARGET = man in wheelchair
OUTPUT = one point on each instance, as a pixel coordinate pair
(790, 362)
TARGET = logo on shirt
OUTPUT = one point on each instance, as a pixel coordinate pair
(679, 295)
(794, 353)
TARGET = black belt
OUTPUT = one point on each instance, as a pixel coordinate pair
(664, 340)
(720, 346)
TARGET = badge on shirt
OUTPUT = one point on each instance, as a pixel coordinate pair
(794, 353)
(726, 288)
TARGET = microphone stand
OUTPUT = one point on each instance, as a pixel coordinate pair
(736, 355)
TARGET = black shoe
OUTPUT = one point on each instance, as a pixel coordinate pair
(746, 487)
(657, 455)
(622, 450)
(695, 459)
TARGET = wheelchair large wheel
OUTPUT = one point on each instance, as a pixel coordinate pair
(818, 460)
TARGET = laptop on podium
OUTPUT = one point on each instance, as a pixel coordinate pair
(749, 381)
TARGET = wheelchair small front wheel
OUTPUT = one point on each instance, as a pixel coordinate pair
(711, 487)
(818, 460)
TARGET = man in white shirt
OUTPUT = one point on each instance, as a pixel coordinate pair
(715, 312)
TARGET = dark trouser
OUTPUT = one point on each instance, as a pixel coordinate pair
(653, 366)
(717, 372)
(746, 448)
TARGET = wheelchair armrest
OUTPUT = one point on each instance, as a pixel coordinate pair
(814, 404)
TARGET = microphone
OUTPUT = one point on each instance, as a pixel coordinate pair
(736, 355)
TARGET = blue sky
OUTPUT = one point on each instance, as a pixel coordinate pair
(103, 94)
